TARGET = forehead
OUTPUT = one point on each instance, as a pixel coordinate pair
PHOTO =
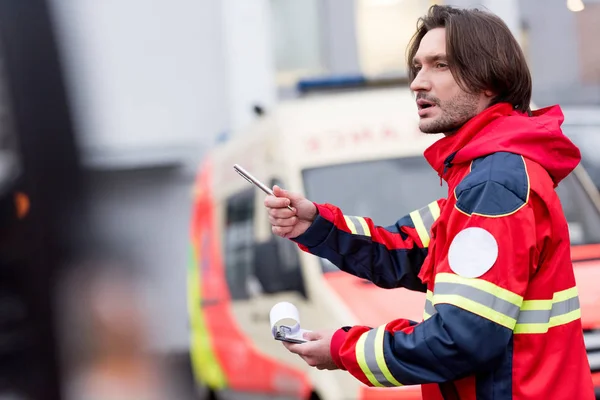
(433, 43)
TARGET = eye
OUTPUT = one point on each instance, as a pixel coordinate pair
(417, 68)
(441, 65)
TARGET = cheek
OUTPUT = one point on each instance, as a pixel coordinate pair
(447, 90)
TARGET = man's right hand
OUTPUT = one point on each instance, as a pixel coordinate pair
(287, 223)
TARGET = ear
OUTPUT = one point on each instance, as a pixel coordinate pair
(488, 93)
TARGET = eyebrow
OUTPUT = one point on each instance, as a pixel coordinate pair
(431, 58)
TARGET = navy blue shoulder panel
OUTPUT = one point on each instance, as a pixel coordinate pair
(497, 185)
(404, 221)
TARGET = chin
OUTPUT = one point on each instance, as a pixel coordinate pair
(429, 127)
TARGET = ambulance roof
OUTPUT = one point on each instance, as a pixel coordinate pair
(330, 128)
(349, 126)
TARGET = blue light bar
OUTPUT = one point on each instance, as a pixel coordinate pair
(330, 82)
(348, 81)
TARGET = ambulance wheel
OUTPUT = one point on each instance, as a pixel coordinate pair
(205, 393)
(314, 396)
(209, 395)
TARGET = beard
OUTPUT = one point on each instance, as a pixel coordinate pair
(454, 113)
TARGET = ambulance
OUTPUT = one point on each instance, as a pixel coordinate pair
(362, 151)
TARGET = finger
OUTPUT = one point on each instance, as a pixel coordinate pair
(294, 348)
(282, 230)
(312, 362)
(310, 336)
(276, 202)
(283, 221)
(282, 212)
(279, 192)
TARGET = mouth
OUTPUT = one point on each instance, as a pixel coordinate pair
(424, 107)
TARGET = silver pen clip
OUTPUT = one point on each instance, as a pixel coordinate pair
(244, 176)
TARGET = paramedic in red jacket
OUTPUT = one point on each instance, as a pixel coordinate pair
(502, 317)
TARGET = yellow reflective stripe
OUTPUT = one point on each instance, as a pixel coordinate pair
(205, 365)
(537, 316)
(423, 220)
(565, 318)
(362, 361)
(532, 305)
(475, 308)
(381, 359)
(554, 321)
(357, 225)
(530, 328)
(480, 284)
(371, 359)
(434, 207)
(564, 295)
(365, 226)
(420, 227)
(350, 224)
(428, 311)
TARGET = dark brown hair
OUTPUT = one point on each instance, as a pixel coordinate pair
(482, 54)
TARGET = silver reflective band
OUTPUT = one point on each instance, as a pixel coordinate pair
(371, 359)
(429, 308)
(478, 296)
(357, 225)
(427, 218)
(543, 316)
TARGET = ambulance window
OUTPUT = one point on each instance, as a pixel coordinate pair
(405, 184)
(288, 259)
(238, 243)
(587, 138)
(384, 190)
(582, 216)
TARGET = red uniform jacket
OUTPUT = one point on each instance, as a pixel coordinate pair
(502, 317)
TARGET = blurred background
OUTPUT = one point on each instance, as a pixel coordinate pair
(108, 108)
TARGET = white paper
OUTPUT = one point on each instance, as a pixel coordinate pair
(285, 320)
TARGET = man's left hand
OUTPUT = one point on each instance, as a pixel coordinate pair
(316, 352)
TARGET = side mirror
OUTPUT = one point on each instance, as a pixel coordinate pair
(276, 269)
(267, 268)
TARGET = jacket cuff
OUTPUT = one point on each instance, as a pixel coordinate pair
(318, 231)
(337, 340)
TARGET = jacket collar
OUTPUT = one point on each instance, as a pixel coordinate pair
(441, 153)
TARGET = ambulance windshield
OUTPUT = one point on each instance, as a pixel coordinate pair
(386, 190)
(587, 138)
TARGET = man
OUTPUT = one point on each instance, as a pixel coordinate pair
(502, 313)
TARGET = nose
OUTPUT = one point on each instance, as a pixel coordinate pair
(421, 82)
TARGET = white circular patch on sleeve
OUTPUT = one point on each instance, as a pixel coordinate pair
(472, 252)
